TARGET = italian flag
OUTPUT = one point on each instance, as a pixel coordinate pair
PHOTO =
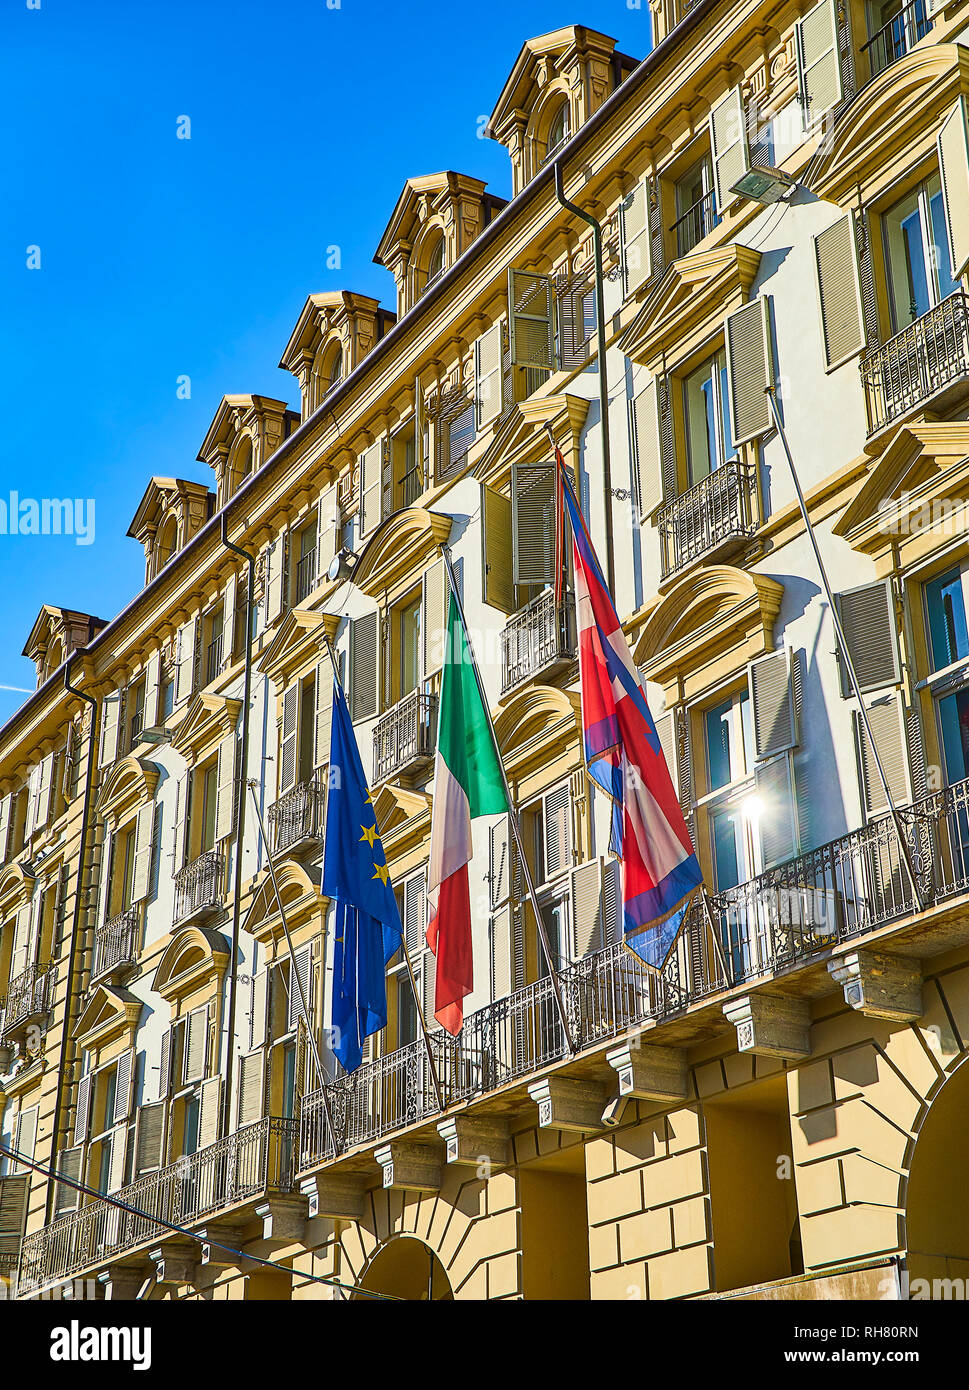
(467, 784)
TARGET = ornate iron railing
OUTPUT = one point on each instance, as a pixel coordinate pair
(117, 942)
(926, 357)
(298, 814)
(540, 636)
(791, 914)
(199, 885)
(894, 39)
(694, 224)
(405, 734)
(721, 507)
(305, 576)
(29, 997)
(256, 1161)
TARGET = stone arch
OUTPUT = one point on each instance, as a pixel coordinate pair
(534, 711)
(190, 957)
(410, 539)
(167, 543)
(406, 1267)
(295, 888)
(555, 100)
(131, 782)
(935, 1213)
(709, 600)
(430, 252)
(240, 460)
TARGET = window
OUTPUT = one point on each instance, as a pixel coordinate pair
(558, 132)
(122, 871)
(895, 26)
(409, 644)
(729, 747)
(167, 703)
(211, 653)
(406, 480)
(134, 712)
(707, 417)
(696, 211)
(945, 604)
(917, 258)
(305, 550)
(204, 794)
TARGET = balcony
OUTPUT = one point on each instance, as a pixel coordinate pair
(403, 738)
(538, 640)
(696, 223)
(894, 39)
(116, 944)
(29, 998)
(926, 362)
(305, 581)
(296, 819)
(783, 923)
(718, 514)
(247, 1167)
(199, 888)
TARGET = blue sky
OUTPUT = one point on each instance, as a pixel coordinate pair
(162, 257)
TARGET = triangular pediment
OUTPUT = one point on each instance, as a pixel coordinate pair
(108, 1012)
(926, 464)
(209, 718)
(302, 635)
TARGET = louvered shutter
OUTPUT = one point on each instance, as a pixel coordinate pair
(488, 400)
(141, 877)
(774, 783)
(501, 944)
(499, 861)
(888, 729)
(67, 1198)
(82, 1115)
(229, 628)
(434, 618)
(772, 703)
(415, 914)
(371, 487)
(531, 314)
(210, 1098)
(45, 783)
(557, 811)
(647, 449)
(180, 830)
(611, 902)
(427, 978)
(251, 1074)
(497, 581)
(728, 146)
(868, 618)
(289, 739)
(20, 951)
(839, 292)
(303, 961)
(533, 525)
(587, 923)
(165, 1064)
(276, 567)
(149, 1138)
(27, 1132)
(328, 530)
(666, 729)
(110, 722)
(749, 369)
(188, 640)
(118, 1140)
(14, 1192)
(196, 1044)
(364, 654)
(634, 238)
(5, 804)
(226, 784)
(818, 61)
(259, 1009)
(122, 1089)
(322, 712)
(953, 147)
(152, 683)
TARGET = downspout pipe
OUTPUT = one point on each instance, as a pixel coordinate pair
(603, 384)
(80, 896)
(240, 827)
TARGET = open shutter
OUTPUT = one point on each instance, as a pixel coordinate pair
(634, 238)
(289, 739)
(144, 830)
(210, 1099)
(110, 728)
(666, 729)
(839, 292)
(533, 525)
(327, 531)
(251, 1076)
(364, 655)
(774, 783)
(488, 394)
(531, 312)
(27, 1131)
(229, 626)
(728, 146)
(188, 639)
(415, 914)
(116, 1168)
(152, 683)
(45, 783)
(434, 617)
(225, 790)
(122, 1089)
(82, 1115)
(749, 369)
(276, 567)
(772, 703)
(66, 1197)
(953, 145)
(588, 931)
(868, 619)
(557, 813)
(322, 712)
(647, 449)
(497, 582)
(196, 1044)
(20, 951)
(303, 959)
(888, 728)
(14, 1192)
(165, 1064)
(6, 803)
(259, 1009)
(149, 1137)
(818, 61)
(500, 941)
(371, 487)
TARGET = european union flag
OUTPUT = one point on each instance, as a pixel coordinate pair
(367, 929)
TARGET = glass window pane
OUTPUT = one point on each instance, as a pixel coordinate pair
(700, 422)
(906, 261)
(726, 849)
(948, 629)
(941, 255)
(954, 721)
(718, 732)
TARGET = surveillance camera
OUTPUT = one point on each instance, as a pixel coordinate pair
(612, 1115)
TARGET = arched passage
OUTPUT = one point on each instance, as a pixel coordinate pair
(936, 1209)
(407, 1268)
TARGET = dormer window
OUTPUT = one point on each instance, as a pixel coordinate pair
(167, 542)
(558, 132)
(435, 263)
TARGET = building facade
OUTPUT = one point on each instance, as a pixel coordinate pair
(783, 193)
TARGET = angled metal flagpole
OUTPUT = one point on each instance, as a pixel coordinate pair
(512, 812)
(845, 653)
(418, 1002)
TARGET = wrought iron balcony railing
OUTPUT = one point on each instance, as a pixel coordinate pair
(894, 39)
(117, 943)
(404, 737)
(919, 363)
(257, 1161)
(297, 816)
(199, 886)
(538, 638)
(694, 224)
(29, 998)
(305, 576)
(718, 511)
(791, 915)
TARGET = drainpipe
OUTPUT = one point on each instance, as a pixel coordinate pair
(240, 827)
(76, 926)
(603, 385)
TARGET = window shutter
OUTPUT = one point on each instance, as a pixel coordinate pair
(259, 1009)
(611, 902)
(749, 369)
(225, 790)
(839, 292)
(587, 924)
(557, 810)
(888, 728)
(647, 449)
(14, 1192)
(5, 805)
(152, 682)
(518, 947)
(868, 618)
(149, 1137)
(116, 1168)
(303, 961)
(953, 145)
(82, 1114)
(531, 310)
(251, 1073)
(229, 628)
(728, 146)
(110, 722)
(415, 914)
(488, 393)
(818, 61)
(666, 730)
(27, 1131)
(188, 638)
(427, 978)
(772, 703)
(499, 861)
(210, 1099)
(122, 1089)
(434, 617)
(533, 524)
(20, 951)
(67, 1198)
(180, 827)
(774, 783)
(371, 487)
(165, 1065)
(45, 782)
(327, 531)
(141, 878)
(196, 1040)
(634, 238)
(276, 566)
(364, 655)
(498, 588)
(289, 739)
(322, 712)
(500, 934)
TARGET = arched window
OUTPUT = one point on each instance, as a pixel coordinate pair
(333, 370)
(558, 131)
(241, 464)
(434, 264)
(167, 543)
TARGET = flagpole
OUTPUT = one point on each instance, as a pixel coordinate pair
(846, 654)
(513, 814)
(418, 1002)
(294, 972)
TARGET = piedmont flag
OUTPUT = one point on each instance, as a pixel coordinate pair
(625, 758)
(367, 931)
(467, 784)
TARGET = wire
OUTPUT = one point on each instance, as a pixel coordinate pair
(185, 1231)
